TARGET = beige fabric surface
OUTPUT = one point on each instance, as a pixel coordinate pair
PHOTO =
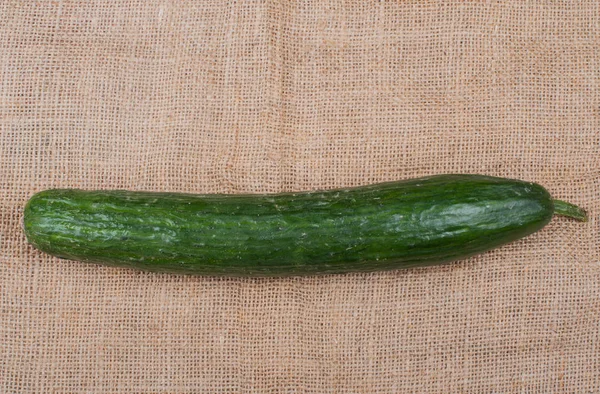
(266, 96)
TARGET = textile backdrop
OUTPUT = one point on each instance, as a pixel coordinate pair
(267, 96)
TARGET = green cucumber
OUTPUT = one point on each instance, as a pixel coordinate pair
(385, 226)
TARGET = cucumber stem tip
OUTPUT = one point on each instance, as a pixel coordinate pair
(570, 210)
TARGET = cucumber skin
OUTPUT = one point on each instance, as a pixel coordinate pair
(386, 226)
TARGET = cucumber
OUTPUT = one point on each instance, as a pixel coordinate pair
(386, 226)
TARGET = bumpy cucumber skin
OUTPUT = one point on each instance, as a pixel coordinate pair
(385, 226)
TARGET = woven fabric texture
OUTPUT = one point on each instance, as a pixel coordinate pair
(266, 96)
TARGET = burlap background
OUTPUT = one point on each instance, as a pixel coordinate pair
(257, 96)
